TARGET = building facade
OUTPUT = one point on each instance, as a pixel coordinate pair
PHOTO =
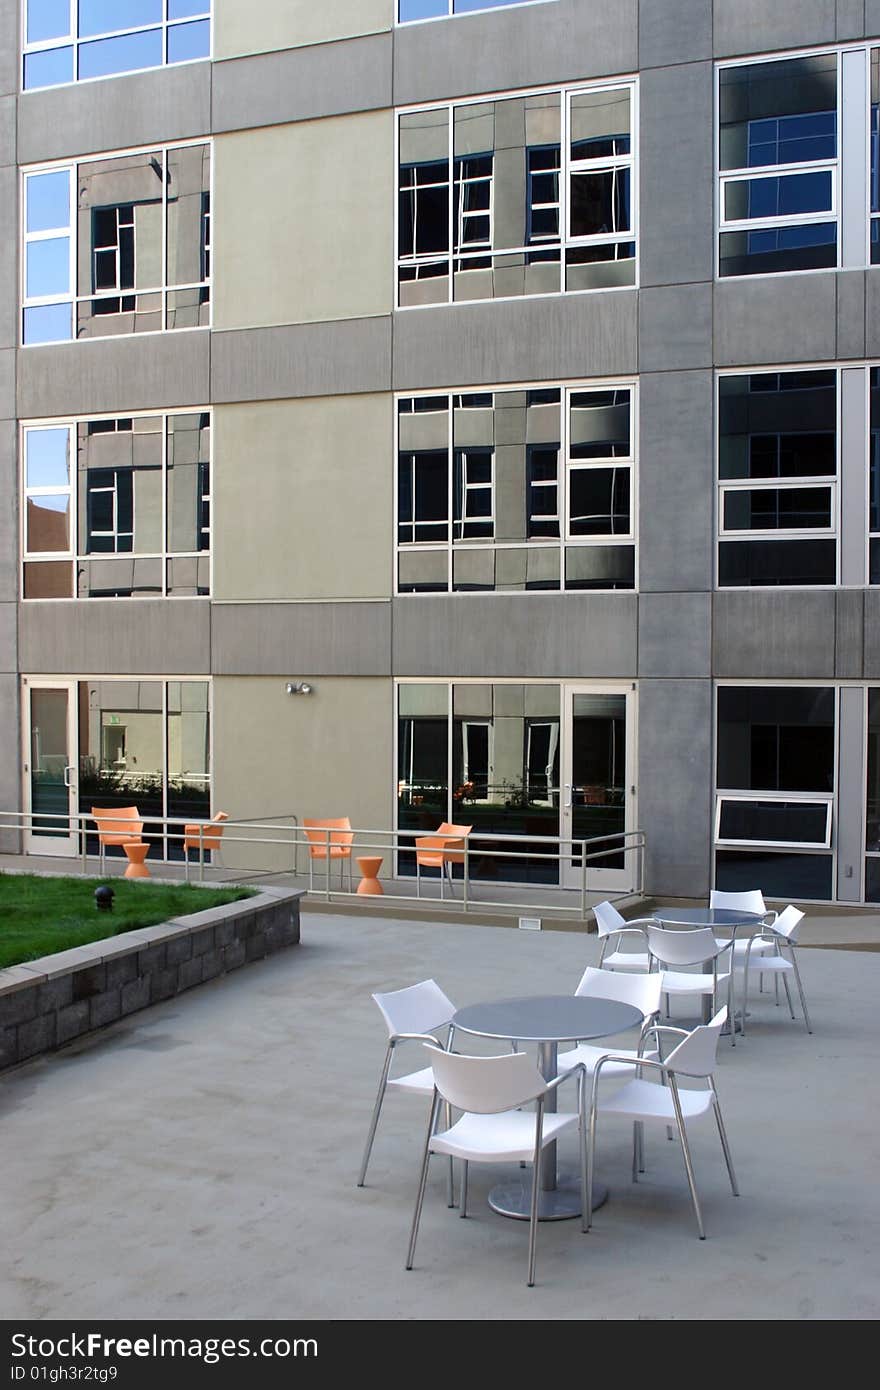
(508, 373)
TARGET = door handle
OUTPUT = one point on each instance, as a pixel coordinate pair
(568, 796)
(67, 771)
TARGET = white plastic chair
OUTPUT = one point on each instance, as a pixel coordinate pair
(678, 949)
(414, 1014)
(750, 901)
(642, 992)
(645, 1102)
(492, 1128)
(781, 937)
(611, 928)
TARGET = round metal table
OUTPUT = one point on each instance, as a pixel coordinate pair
(547, 1020)
(726, 919)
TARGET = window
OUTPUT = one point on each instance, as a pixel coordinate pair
(117, 245)
(776, 777)
(73, 40)
(875, 156)
(522, 195)
(778, 151)
(499, 744)
(516, 489)
(410, 10)
(874, 480)
(777, 479)
(117, 508)
(872, 799)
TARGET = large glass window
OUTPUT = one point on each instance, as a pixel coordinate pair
(117, 508)
(117, 245)
(778, 153)
(872, 800)
(410, 10)
(495, 202)
(485, 756)
(72, 40)
(777, 479)
(874, 479)
(776, 775)
(516, 490)
(146, 743)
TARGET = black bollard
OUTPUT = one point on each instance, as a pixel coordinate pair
(104, 898)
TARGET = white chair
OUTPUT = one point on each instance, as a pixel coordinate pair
(781, 937)
(642, 992)
(492, 1128)
(679, 949)
(611, 928)
(645, 1102)
(414, 1014)
(751, 901)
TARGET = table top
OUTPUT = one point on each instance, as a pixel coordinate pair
(706, 917)
(547, 1018)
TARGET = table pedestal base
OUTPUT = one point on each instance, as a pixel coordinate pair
(514, 1199)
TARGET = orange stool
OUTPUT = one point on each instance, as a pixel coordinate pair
(369, 866)
(137, 851)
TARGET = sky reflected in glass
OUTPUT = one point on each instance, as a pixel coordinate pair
(48, 267)
(47, 19)
(48, 461)
(48, 323)
(106, 16)
(48, 201)
(128, 53)
(188, 41)
(49, 68)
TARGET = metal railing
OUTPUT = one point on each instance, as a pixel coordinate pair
(573, 858)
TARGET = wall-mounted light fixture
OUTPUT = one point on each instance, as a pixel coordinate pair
(299, 688)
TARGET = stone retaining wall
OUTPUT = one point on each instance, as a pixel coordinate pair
(48, 1002)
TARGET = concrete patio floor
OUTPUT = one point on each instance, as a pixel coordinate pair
(200, 1160)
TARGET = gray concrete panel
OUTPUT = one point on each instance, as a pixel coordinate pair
(675, 328)
(9, 49)
(851, 313)
(849, 634)
(850, 19)
(525, 635)
(674, 31)
(850, 794)
(7, 130)
(576, 335)
(8, 511)
(88, 117)
(528, 45)
(301, 640)
(675, 785)
(780, 634)
(753, 26)
(156, 637)
(8, 256)
(676, 481)
(7, 383)
(675, 635)
(125, 374)
(872, 634)
(8, 637)
(299, 84)
(675, 174)
(775, 319)
(311, 359)
(872, 313)
(872, 18)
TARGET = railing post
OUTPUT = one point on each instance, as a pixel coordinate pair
(583, 880)
(464, 877)
(201, 852)
(327, 841)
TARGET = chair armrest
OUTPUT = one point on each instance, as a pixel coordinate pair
(565, 1076)
(619, 1057)
(414, 1037)
(629, 931)
(657, 1028)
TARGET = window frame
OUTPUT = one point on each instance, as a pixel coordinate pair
(561, 544)
(74, 41)
(73, 298)
(782, 798)
(564, 241)
(74, 555)
(461, 14)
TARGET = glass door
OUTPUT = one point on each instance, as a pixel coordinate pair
(599, 783)
(50, 770)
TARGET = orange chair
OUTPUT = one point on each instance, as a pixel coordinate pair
(441, 851)
(116, 824)
(207, 842)
(335, 845)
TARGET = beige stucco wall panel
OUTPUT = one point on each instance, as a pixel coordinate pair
(328, 754)
(304, 222)
(273, 24)
(303, 503)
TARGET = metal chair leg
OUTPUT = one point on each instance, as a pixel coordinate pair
(582, 1145)
(722, 1132)
(380, 1096)
(591, 1159)
(788, 995)
(464, 1187)
(536, 1187)
(423, 1180)
(635, 1153)
(797, 976)
(686, 1153)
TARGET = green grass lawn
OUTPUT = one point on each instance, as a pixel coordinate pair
(41, 915)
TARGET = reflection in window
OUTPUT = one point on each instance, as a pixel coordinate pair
(146, 743)
(119, 245)
(778, 151)
(487, 498)
(492, 203)
(777, 472)
(73, 40)
(503, 743)
(132, 518)
(410, 10)
(779, 742)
